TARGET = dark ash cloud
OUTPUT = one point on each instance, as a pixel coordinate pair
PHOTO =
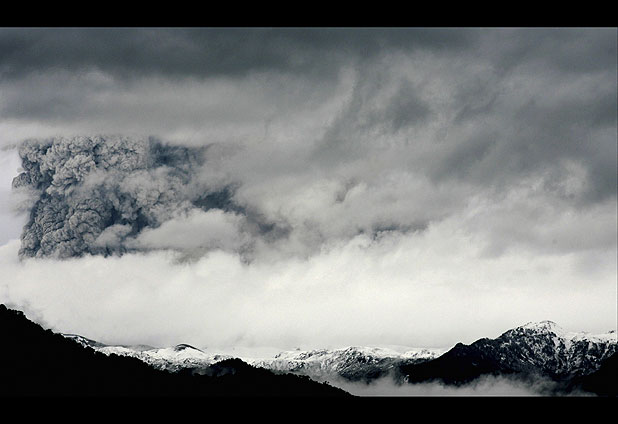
(96, 195)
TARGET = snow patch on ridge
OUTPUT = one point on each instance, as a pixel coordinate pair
(571, 336)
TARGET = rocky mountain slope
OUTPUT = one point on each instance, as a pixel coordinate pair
(535, 349)
(352, 363)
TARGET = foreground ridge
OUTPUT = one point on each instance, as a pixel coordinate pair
(38, 362)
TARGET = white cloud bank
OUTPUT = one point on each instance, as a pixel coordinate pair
(483, 386)
(431, 289)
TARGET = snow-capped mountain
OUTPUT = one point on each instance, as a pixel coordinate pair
(169, 359)
(351, 363)
(555, 351)
(542, 349)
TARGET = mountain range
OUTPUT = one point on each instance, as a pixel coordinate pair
(574, 362)
(536, 350)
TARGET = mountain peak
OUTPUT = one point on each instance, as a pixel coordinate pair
(550, 327)
(546, 325)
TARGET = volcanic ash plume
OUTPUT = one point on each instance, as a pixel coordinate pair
(97, 194)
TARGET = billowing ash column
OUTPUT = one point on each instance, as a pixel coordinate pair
(92, 193)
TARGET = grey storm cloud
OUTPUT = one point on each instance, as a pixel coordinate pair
(204, 52)
(322, 133)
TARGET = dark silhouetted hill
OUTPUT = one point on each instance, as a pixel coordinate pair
(38, 362)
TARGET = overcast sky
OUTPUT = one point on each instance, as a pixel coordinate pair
(430, 185)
